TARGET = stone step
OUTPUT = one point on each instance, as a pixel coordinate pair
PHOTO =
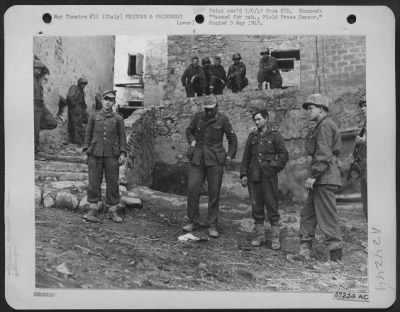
(78, 158)
(60, 166)
(44, 175)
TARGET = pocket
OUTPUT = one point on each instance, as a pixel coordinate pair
(267, 169)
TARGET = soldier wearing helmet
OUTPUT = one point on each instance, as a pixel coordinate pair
(237, 74)
(323, 145)
(268, 71)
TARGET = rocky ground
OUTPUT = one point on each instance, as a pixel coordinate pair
(144, 252)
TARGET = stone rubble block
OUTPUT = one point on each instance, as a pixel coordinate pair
(72, 186)
(66, 200)
(83, 204)
(131, 201)
(60, 176)
(49, 200)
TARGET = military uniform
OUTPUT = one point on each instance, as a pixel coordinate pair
(198, 86)
(237, 77)
(105, 140)
(217, 78)
(323, 145)
(269, 72)
(43, 119)
(207, 160)
(265, 154)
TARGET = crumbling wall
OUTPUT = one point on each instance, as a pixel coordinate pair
(68, 59)
(140, 136)
(331, 65)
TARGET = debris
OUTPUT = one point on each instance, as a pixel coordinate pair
(62, 268)
(191, 237)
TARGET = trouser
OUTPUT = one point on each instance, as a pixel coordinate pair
(96, 167)
(76, 128)
(237, 83)
(320, 208)
(196, 177)
(217, 85)
(43, 120)
(275, 81)
(264, 196)
(364, 197)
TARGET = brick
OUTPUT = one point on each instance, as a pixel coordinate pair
(355, 62)
(355, 50)
(342, 63)
(349, 68)
(348, 57)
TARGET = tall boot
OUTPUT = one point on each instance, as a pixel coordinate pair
(113, 215)
(259, 86)
(275, 242)
(211, 90)
(91, 215)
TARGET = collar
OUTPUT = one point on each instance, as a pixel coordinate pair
(107, 114)
(319, 122)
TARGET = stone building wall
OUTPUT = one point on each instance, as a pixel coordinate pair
(331, 65)
(68, 59)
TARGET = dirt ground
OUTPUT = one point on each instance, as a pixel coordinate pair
(144, 253)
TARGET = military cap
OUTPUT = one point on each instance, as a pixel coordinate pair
(82, 80)
(317, 100)
(266, 51)
(110, 93)
(210, 102)
(236, 56)
(217, 57)
(363, 101)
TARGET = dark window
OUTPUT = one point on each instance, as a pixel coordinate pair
(132, 65)
(285, 54)
(285, 65)
(135, 103)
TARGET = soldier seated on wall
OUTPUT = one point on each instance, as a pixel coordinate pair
(236, 79)
(217, 76)
(194, 79)
(268, 71)
(205, 64)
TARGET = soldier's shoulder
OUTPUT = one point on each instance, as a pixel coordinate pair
(117, 116)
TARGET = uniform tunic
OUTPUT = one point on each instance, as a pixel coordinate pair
(237, 77)
(216, 73)
(199, 84)
(323, 145)
(265, 154)
(207, 160)
(105, 140)
(269, 72)
(77, 114)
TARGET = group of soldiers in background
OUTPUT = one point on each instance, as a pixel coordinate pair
(207, 78)
(265, 155)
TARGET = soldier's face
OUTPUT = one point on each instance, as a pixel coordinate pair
(108, 102)
(313, 112)
(260, 121)
(82, 85)
(235, 61)
(37, 71)
(217, 61)
(195, 62)
(364, 110)
(210, 112)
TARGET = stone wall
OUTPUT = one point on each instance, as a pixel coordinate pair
(140, 136)
(68, 59)
(331, 65)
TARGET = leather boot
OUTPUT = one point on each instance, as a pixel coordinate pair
(113, 215)
(336, 255)
(259, 238)
(91, 215)
(275, 242)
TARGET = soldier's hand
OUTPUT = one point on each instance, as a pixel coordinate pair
(228, 160)
(244, 181)
(193, 144)
(309, 183)
(253, 129)
(122, 159)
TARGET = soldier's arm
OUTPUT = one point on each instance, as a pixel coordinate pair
(224, 74)
(281, 151)
(244, 167)
(271, 65)
(203, 79)
(88, 133)
(323, 155)
(231, 137)
(191, 130)
(122, 135)
(243, 70)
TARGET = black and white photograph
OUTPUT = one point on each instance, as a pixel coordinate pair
(229, 161)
